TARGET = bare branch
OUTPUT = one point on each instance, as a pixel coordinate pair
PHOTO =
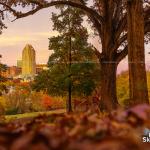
(40, 6)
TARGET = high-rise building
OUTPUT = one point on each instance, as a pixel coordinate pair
(28, 61)
(19, 63)
(26, 68)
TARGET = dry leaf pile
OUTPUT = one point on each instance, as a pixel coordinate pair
(120, 130)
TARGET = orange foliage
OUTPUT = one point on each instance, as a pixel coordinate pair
(23, 84)
(47, 101)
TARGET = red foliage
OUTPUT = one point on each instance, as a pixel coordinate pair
(47, 101)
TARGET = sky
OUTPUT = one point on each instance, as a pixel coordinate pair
(36, 30)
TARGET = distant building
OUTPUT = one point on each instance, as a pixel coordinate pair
(28, 61)
(26, 68)
(11, 72)
(19, 63)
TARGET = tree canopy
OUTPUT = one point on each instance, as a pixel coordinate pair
(84, 71)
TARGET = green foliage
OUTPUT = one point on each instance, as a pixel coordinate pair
(84, 72)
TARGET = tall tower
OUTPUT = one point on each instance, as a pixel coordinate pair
(28, 61)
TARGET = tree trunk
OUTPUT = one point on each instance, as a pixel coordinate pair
(69, 102)
(108, 86)
(136, 55)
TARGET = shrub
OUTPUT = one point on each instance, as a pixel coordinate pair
(58, 102)
(2, 106)
(22, 101)
(11, 111)
(18, 101)
(46, 101)
(36, 104)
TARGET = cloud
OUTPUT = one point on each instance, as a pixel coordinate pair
(12, 39)
(46, 34)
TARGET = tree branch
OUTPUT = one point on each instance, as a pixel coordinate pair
(121, 55)
(121, 27)
(15, 13)
(119, 42)
(45, 4)
(97, 52)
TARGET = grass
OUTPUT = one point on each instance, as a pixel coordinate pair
(32, 115)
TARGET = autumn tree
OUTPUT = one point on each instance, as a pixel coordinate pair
(109, 18)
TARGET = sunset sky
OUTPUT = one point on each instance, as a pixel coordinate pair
(35, 30)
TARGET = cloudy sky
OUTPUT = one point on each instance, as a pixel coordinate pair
(35, 30)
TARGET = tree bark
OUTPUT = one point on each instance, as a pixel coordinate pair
(107, 62)
(136, 54)
(108, 87)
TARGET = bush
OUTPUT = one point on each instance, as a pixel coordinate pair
(58, 102)
(11, 111)
(2, 106)
(36, 104)
(22, 101)
(46, 102)
(50, 103)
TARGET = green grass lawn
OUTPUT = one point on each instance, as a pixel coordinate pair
(33, 114)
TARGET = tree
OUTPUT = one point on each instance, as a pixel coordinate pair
(73, 64)
(3, 68)
(2, 25)
(109, 18)
(136, 53)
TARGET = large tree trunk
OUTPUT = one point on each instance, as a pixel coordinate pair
(108, 67)
(136, 55)
(108, 86)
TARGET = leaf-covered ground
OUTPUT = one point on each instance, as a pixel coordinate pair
(120, 130)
